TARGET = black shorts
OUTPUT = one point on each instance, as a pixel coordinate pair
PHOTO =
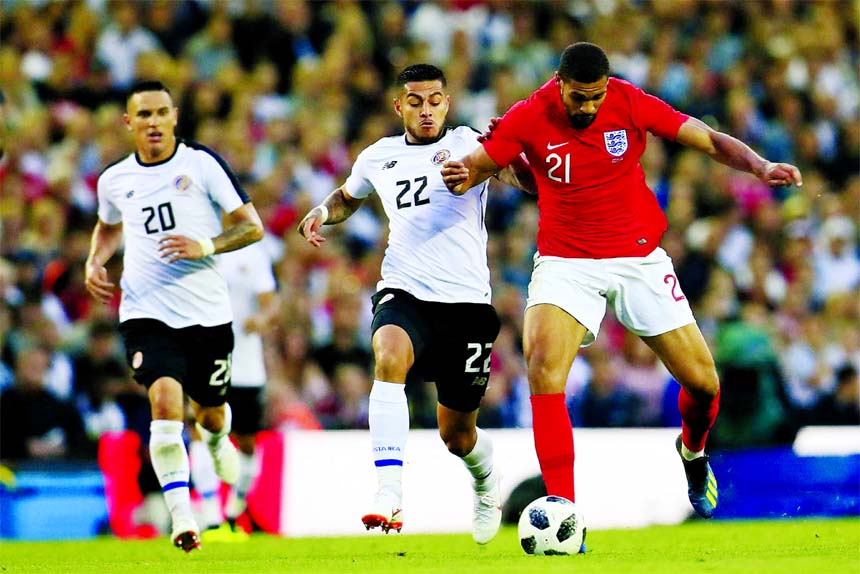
(247, 406)
(198, 357)
(452, 343)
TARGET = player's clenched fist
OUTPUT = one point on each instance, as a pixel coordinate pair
(455, 174)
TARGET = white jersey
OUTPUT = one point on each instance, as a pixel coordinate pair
(248, 272)
(182, 195)
(437, 245)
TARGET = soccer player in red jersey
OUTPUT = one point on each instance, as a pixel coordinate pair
(599, 243)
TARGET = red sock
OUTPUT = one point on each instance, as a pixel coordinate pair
(697, 418)
(553, 435)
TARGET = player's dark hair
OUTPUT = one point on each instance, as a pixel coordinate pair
(146, 86)
(583, 62)
(420, 73)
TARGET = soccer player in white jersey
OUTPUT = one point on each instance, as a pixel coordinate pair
(166, 200)
(432, 314)
(253, 296)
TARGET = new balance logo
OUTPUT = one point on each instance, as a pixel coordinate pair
(129, 194)
(390, 164)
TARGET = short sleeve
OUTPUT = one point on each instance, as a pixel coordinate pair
(223, 185)
(357, 185)
(656, 116)
(506, 141)
(108, 211)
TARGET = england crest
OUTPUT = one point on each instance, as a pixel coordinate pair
(616, 142)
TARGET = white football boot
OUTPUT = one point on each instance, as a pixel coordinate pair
(186, 534)
(386, 511)
(487, 513)
(224, 455)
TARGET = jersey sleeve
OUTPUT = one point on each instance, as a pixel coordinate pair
(108, 211)
(222, 184)
(357, 185)
(656, 116)
(506, 141)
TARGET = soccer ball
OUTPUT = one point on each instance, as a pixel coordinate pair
(551, 525)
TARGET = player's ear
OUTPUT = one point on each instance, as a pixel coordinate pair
(127, 121)
(397, 109)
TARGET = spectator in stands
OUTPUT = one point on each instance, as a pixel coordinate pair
(33, 422)
(843, 406)
(121, 42)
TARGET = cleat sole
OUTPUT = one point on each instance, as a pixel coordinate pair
(187, 541)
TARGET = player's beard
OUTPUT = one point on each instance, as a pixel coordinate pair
(421, 139)
(581, 121)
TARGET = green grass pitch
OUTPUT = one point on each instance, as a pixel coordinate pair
(755, 547)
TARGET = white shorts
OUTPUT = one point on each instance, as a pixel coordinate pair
(643, 291)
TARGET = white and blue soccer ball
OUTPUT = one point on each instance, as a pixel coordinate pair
(552, 525)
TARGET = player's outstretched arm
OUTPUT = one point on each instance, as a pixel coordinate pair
(734, 153)
(243, 228)
(519, 174)
(337, 207)
(462, 175)
(103, 244)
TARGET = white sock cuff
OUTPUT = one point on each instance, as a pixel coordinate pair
(482, 445)
(163, 426)
(388, 392)
(228, 419)
(210, 437)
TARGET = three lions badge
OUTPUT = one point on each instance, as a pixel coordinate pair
(616, 142)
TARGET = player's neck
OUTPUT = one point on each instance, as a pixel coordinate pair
(145, 158)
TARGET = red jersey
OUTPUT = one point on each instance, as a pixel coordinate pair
(592, 196)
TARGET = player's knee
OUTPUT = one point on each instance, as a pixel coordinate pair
(702, 382)
(212, 419)
(545, 375)
(458, 442)
(392, 362)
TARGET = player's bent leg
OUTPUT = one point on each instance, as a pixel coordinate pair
(388, 419)
(551, 340)
(213, 424)
(474, 447)
(687, 357)
(170, 460)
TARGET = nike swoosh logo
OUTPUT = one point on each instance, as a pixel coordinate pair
(550, 146)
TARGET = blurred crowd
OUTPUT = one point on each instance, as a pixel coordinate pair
(289, 91)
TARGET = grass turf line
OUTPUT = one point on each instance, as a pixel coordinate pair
(763, 547)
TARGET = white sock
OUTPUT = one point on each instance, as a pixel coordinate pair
(388, 417)
(206, 482)
(480, 460)
(170, 461)
(237, 502)
(689, 454)
(213, 439)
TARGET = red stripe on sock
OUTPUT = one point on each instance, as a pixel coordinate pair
(697, 418)
(553, 436)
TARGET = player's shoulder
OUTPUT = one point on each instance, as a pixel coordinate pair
(117, 166)
(623, 88)
(384, 145)
(464, 132)
(202, 152)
